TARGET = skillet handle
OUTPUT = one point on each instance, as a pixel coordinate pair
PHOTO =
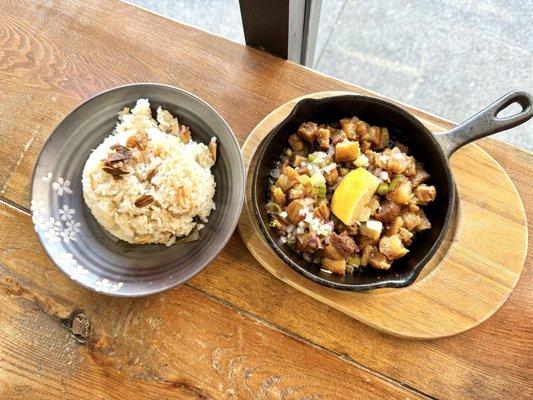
(486, 122)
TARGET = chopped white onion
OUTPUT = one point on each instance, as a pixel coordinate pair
(398, 155)
(385, 176)
(274, 173)
(330, 167)
(361, 161)
(374, 225)
(383, 159)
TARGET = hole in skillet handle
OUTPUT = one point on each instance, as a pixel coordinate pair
(522, 100)
(488, 122)
(404, 127)
(509, 111)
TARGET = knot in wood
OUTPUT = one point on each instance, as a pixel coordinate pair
(79, 325)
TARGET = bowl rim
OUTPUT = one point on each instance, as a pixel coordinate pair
(388, 283)
(228, 234)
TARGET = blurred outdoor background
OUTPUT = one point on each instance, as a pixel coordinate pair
(448, 57)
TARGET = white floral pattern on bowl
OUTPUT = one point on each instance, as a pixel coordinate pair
(64, 227)
(61, 186)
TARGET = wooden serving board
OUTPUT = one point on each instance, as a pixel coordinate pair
(467, 281)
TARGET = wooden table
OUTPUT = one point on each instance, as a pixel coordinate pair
(234, 331)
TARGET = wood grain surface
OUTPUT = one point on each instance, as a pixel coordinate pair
(464, 283)
(60, 339)
(280, 343)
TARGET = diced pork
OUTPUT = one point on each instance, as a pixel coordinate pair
(283, 182)
(365, 255)
(296, 143)
(293, 211)
(291, 173)
(344, 244)
(308, 131)
(425, 194)
(332, 176)
(347, 151)
(410, 220)
(323, 136)
(394, 226)
(348, 125)
(392, 247)
(336, 266)
(278, 196)
(379, 261)
(332, 253)
(297, 191)
(322, 211)
(338, 136)
(406, 236)
(424, 221)
(401, 191)
(388, 211)
(420, 175)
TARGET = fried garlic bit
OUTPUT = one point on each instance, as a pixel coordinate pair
(212, 146)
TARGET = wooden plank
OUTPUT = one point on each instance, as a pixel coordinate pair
(180, 344)
(54, 55)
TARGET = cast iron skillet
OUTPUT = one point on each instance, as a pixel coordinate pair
(433, 150)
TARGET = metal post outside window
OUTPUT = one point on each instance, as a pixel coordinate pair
(286, 28)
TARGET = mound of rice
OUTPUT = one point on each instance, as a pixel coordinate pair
(149, 182)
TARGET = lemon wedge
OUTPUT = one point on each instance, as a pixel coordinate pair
(352, 194)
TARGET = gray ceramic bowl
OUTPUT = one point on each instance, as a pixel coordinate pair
(73, 239)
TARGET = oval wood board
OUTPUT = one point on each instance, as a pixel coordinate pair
(467, 281)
